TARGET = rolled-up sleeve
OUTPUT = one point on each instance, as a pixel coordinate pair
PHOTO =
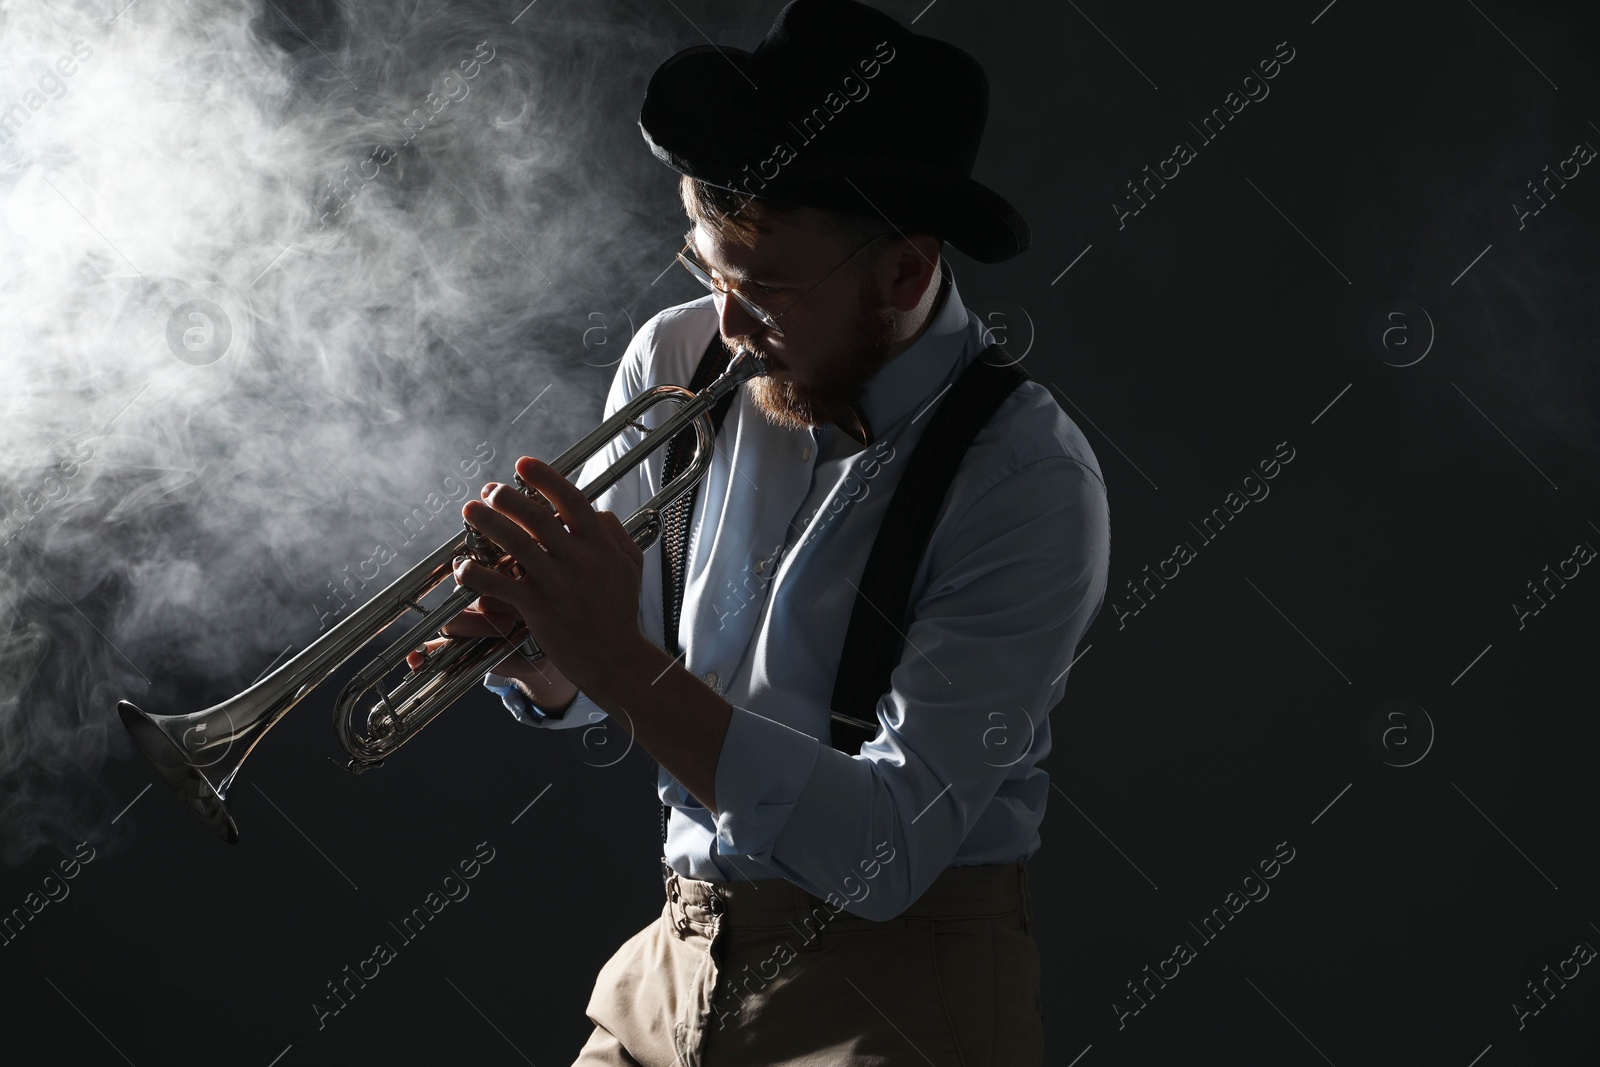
(1010, 592)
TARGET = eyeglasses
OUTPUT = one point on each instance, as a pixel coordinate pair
(761, 314)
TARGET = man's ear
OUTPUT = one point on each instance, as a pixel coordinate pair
(915, 266)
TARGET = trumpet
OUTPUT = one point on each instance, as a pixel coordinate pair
(198, 755)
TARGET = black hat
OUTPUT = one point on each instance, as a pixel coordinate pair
(839, 107)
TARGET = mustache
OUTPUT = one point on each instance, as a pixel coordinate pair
(766, 357)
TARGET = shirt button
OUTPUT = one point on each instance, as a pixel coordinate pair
(761, 567)
(806, 453)
(711, 679)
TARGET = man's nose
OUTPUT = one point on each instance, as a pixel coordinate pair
(735, 321)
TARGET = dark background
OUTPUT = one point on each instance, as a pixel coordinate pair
(1231, 714)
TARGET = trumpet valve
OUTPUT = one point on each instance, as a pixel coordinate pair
(529, 491)
(479, 548)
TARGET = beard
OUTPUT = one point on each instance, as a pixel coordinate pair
(838, 375)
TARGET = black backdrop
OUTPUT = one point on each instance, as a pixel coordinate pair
(1339, 672)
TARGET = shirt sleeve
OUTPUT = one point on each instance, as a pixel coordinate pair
(581, 712)
(622, 498)
(1008, 598)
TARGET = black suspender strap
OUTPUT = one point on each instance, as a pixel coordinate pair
(675, 516)
(872, 643)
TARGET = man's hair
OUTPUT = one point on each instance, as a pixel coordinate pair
(728, 211)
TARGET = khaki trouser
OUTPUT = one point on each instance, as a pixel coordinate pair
(737, 973)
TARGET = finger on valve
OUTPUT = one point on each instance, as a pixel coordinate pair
(415, 658)
(470, 622)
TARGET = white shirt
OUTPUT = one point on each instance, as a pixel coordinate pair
(1015, 572)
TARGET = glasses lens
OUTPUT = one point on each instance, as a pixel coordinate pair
(760, 313)
(756, 310)
(699, 275)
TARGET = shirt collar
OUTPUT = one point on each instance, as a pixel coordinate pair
(904, 384)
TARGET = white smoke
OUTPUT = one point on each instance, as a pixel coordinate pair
(269, 275)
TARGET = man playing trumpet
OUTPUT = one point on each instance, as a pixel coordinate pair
(824, 904)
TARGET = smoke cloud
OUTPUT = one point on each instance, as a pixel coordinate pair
(274, 280)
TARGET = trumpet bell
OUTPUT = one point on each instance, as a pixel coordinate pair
(176, 767)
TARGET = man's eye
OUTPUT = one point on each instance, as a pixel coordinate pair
(770, 290)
